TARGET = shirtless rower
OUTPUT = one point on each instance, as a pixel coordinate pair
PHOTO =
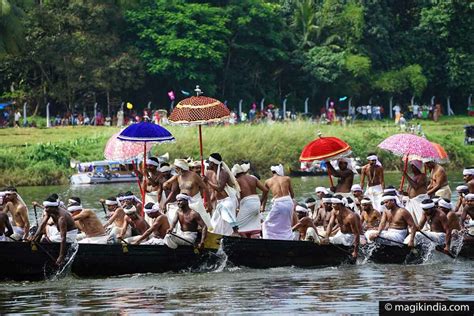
(135, 221)
(88, 223)
(189, 221)
(166, 195)
(438, 222)
(116, 220)
(468, 209)
(278, 223)
(128, 199)
(439, 181)
(398, 220)
(151, 183)
(461, 190)
(320, 193)
(191, 184)
(19, 213)
(349, 224)
(324, 214)
(67, 231)
(345, 175)
(374, 173)
(248, 217)
(416, 190)
(468, 176)
(358, 194)
(446, 207)
(156, 233)
(312, 206)
(370, 218)
(5, 225)
(305, 226)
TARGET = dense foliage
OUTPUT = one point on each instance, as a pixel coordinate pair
(74, 52)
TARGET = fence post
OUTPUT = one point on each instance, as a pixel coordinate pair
(390, 107)
(24, 114)
(306, 106)
(95, 114)
(48, 121)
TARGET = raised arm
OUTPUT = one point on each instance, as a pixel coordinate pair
(63, 232)
(362, 177)
(329, 228)
(263, 201)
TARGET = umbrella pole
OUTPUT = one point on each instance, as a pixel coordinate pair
(142, 212)
(330, 177)
(405, 167)
(202, 161)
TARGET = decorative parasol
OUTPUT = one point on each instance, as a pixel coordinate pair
(145, 134)
(410, 147)
(325, 148)
(115, 149)
(443, 155)
(199, 110)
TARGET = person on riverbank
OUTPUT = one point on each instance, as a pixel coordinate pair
(66, 228)
(398, 221)
(135, 221)
(227, 192)
(278, 223)
(438, 185)
(374, 173)
(190, 222)
(156, 233)
(248, 218)
(345, 175)
(305, 226)
(15, 206)
(5, 225)
(92, 230)
(349, 225)
(417, 190)
(439, 231)
(116, 220)
(191, 184)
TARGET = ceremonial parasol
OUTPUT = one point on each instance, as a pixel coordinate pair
(199, 110)
(145, 133)
(411, 147)
(443, 155)
(325, 148)
(115, 149)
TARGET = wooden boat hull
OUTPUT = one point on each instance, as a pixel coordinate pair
(265, 253)
(388, 254)
(467, 249)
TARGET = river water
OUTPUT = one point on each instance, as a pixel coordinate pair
(348, 289)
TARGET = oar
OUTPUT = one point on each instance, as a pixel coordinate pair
(103, 207)
(36, 215)
(40, 247)
(196, 250)
(438, 247)
(413, 250)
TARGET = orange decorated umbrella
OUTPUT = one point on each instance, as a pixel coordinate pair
(443, 155)
(199, 110)
(325, 148)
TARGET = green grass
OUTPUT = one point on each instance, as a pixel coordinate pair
(36, 156)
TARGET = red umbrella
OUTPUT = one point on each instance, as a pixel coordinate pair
(443, 155)
(325, 148)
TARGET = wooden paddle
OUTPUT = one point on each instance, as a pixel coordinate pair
(36, 215)
(196, 250)
(438, 247)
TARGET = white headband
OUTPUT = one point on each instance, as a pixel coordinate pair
(111, 202)
(365, 201)
(327, 200)
(390, 191)
(388, 198)
(131, 210)
(469, 197)
(356, 187)
(310, 204)
(321, 190)
(9, 192)
(52, 204)
(181, 163)
(214, 160)
(165, 169)
(74, 208)
(435, 199)
(127, 197)
(245, 166)
(278, 170)
(72, 201)
(301, 209)
(183, 197)
(153, 209)
(372, 157)
(462, 188)
(444, 204)
(427, 205)
(236, 169)
(336, 201)
(468, 172)
(2, 194)
(150, 162)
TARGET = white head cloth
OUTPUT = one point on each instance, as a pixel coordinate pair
(131, 210)
(74, 208)
(301, 209)
(336, 201)
(374, 157)
(223, 165)
(236, 169)
(182, 196)
(310, 204)
(469, 197)
(165, 169)
(181, 163)
(461, 188)
(245, 166)
(350, 166)
(278, 170)
(468, 172)
(327, 200)
(418, 164)
(356, 187)
(153, 209)
(442, 203)
(365, 201)
(51, 204)
(150, 162)
(18, 196)
(427, 205)
(111, 202)
(321, 190)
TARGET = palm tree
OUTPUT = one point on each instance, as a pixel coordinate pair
(304, 22)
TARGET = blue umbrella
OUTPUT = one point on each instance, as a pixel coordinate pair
(145, 132)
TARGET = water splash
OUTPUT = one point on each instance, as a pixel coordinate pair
(66, 268)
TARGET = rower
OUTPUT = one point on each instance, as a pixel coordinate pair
(374, 173)
(349, 224)
(191, 184)
(67, 231)
(312, 206)
(462, 190)
(278, 223)
(305, 226)
(345, 175)
(439, 181)
(116, 220)
(166, 195)
(135, 221)
(358, 194)
(398, 220)
(195, 167)
(189, 221)
(19, 213)
(417, 190)
(92, 231)
(468, 210)
(128, 199)
(248, 218)
(156, 233)
(438, 222)
(446, 207)
(5, 224)
(227, 191)
(320, 193)
(468, 176)
(370, 218)
(151, 183)
(324, 214)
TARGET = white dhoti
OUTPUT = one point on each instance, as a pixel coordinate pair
(154, 241)
(18, 233)
(277, 225)
(444, 192)
(312, 235)
(3, 238)
(392, 234)
(133, 239)
(95, 240)
(375, 195)
(438, 238)
(197, 204)
(413, 206)
(113, 231)
(70, 236)
(224, 218)
(173, 242)
(342, 239)
(248, 218)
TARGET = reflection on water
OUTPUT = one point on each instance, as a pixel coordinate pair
(346, 289)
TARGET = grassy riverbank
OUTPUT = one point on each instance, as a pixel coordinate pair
(33, 156)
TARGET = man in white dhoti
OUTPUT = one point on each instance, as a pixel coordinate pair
(305, 226)
(374, 173)
(190, 222)
(156, 233)
(87, 221)
(116, 219)
(227, 192)
(278, 223)
(249, 217)
(439, 232)
(15, 206)
(398, 220)
(439, 184)
(468, 209)
(416, 190)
